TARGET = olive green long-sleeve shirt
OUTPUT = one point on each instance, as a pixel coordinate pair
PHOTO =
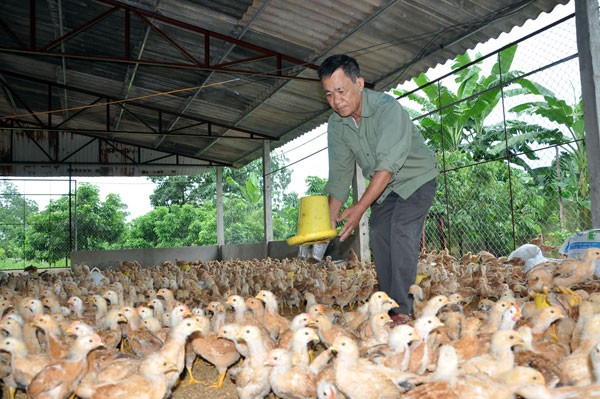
(385, 139)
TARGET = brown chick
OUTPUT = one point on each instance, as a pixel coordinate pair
(576, 367)
(56, 343)
(230, 331)
(421, 352)
(541, 276)
(570, 272)
(143, 342)
(528, 356)
(380, 328)
(149, 382)
(289, 381)
(495, 316)
(396, 354)
(23, 366)
(173, 351)
(543, 340)
(299, 321)
(273, 321)
(59, 379)
(328, 331)
(442, 383)
(433, 306)
(357, 378)
(169, 298)
(217, 351)
(378, 302)
(241, 313)
(419, 301)
(500, 359)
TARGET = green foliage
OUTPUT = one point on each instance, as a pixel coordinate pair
(175, 226)
(15, 210)
(100, 225)
(479, 202)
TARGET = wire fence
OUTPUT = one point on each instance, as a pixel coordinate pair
(508, 130)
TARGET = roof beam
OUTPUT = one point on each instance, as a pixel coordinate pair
(189, 62)
(112, 100)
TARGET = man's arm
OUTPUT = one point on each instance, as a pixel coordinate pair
(352, 215)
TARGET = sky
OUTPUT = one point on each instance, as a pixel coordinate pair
(307, 155)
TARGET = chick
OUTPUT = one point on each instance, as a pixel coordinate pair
(396, 354)
(23, 366)
(59, 379)
(501, 357)
(570, 272)
(303, 337)
(221, 353)
(252, 377)
(576, 367)
(380, 327)
(328, 331)
(289, 381)
(421, 351)
(149, 382)
(273, 321)
(357, 377)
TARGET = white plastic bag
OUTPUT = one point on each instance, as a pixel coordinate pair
(530, 253)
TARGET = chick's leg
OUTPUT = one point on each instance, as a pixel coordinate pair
(191, 380)
(220, 381)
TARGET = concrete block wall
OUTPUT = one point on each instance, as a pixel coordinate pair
(157, 256)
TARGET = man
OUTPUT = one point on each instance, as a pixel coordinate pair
(373, 130)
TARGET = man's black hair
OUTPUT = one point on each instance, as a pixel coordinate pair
(332, 63)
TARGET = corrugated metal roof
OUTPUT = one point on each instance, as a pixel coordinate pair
(169, 84)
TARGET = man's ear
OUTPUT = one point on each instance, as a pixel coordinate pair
(361, 83)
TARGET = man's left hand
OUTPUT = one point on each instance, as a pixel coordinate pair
(352, 217)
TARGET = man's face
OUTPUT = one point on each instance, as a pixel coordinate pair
(344, 95)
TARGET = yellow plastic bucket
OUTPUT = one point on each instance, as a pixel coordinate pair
(313, 221)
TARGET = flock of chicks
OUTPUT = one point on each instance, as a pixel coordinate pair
(483, 328)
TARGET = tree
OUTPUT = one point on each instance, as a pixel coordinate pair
(15, 210)
(100, 225)
(175, 226)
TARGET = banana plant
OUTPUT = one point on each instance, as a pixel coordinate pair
(461, 124)
(250, 192)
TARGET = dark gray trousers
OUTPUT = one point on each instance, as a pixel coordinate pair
(396, 226)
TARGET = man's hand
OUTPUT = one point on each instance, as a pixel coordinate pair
(352, 217)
